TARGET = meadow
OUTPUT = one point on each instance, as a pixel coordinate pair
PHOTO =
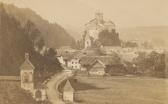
(121, 90)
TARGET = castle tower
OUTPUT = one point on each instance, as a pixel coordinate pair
(99, 16)
(26, 74)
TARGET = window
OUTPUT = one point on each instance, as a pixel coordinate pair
(26, 77)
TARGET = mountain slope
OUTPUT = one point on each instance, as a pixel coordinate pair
(53, 34)
(157, 35)
(16, 40)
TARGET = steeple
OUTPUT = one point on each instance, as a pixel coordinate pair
(27, 65)
(99, 16)
(26, 56)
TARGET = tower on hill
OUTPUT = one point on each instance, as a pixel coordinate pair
(99, 16)
(96, 26)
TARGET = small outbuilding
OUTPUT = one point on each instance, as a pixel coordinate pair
(68, 92)
(98, 68)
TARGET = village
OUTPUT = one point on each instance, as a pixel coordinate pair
(97, 69)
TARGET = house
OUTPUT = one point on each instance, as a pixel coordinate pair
(74, 63)
(68, 92)
(71, 60)
(61, 60)
(97, 64)
(98, 68)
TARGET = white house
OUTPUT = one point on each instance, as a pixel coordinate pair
(74, 63)
(61, 60)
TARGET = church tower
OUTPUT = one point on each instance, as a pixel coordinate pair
(27, 73)
(99, 17)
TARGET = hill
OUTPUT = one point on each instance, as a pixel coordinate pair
(16, 40)
(157, 35)
(53, 34)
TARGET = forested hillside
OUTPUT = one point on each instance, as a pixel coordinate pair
(54, 35)
(16, 40)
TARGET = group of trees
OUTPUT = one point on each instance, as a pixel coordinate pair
(152, 64)
(107, 38)
(16, 40)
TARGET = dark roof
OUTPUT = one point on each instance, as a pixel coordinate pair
(98, 63)
(68, 86)
(27, 65)
(90, 60)
(72, 55)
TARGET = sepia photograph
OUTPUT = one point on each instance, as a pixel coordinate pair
(83, 51)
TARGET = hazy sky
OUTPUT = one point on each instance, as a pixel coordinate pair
(124, 13)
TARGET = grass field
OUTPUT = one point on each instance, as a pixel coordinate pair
(121, 90)
(11, 93)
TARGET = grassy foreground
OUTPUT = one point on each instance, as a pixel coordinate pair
(121, 90)
(11, 93)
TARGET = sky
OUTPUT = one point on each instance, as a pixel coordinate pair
(75, 13)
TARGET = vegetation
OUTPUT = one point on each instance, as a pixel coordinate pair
(11, 93)
(146, 64)
(53, 34)
(107, 38)
(16, 40)
(152, 64)
(130, 44)
(110, 90)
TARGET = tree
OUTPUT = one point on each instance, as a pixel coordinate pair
(152, 64)
(107, 38)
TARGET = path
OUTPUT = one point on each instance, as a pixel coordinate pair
(52, 90)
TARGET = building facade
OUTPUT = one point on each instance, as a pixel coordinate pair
(74, 63)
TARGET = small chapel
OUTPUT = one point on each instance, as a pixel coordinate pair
(28, 83)
(68, 92)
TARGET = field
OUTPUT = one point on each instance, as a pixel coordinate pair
(121, 90)
(11, 93)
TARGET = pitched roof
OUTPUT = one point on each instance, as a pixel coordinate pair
(27, 65)
(68, 86)
(90, 60)
(98, 63)
(72, 55)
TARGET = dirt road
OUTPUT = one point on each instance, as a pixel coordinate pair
(52, 91)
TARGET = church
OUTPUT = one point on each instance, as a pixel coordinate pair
(27, 70)
(94, 27)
